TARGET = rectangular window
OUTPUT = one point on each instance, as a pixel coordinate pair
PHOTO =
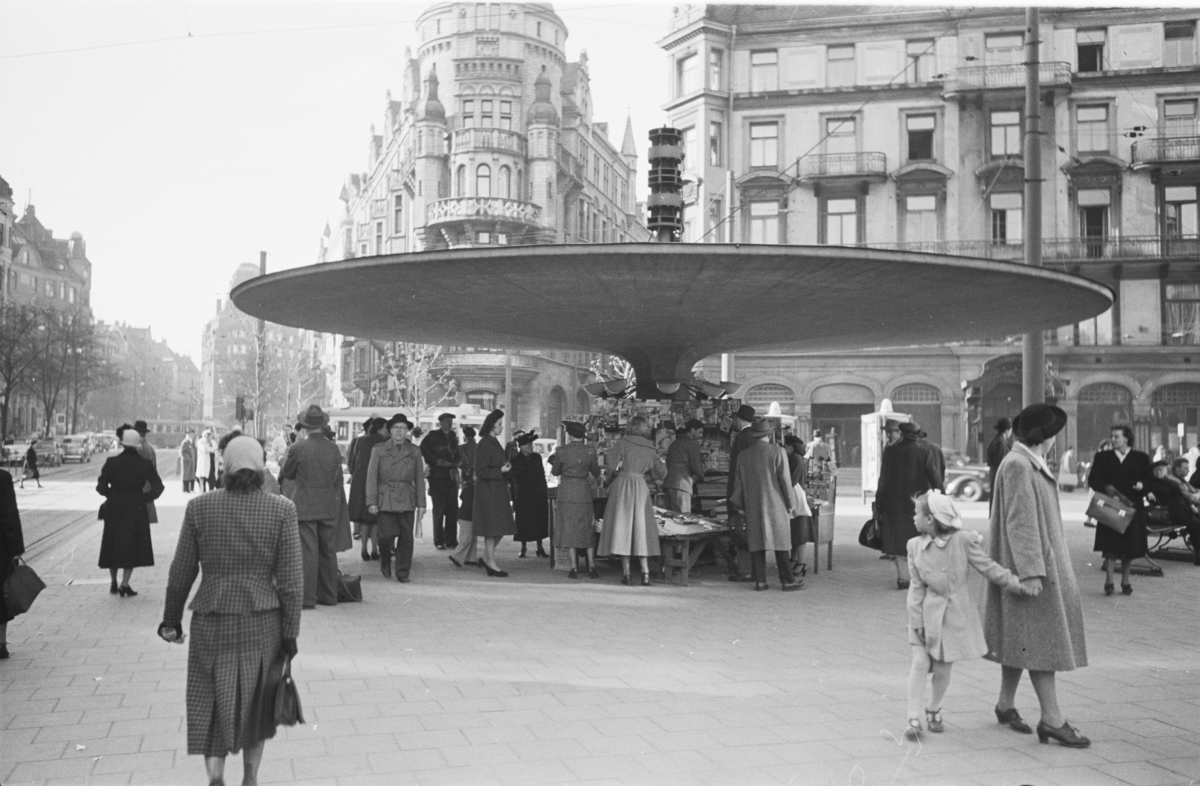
(920, 136)
(688, 218)
(481, 16)
(398, 215)
(1183, 314)
(714, 144)
(764, 144)
(921, 59)
(71, 295)
(841, 135)
(1003, 49)
(486, 119)
(1093, 206)
(764, 222)
(716, 219)
(687, 75)
(715, 66)
(689, 149)
(49, 289)
(506, 115)
(921, 219)
(764, 71)
(468, 113)
(1007, 219)
(378, 237)
(1089, 46)
(839, 68)
(841, 226)
(1179, 44)
(501, 238)
(1006, 134)
(1091, 128)
(1179, 118)
(1179, 213)
(483, 238)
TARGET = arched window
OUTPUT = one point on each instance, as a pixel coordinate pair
(1101, 406)
(460, 181)
(483, 181)
(505, 185)
(924, 403)
(761, 396)
(583, 406)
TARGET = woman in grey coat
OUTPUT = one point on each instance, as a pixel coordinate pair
(1043, 631)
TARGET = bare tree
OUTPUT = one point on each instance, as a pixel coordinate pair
(414, 376)
(20, 350)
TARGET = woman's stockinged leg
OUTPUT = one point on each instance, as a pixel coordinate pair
(251, 758)
(1047, 693)
(1010, 678)
(941, 681)
(127, 577)
(215, 766)
(916, 681)
(901, 564)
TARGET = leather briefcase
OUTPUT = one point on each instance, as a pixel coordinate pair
(1110, 512)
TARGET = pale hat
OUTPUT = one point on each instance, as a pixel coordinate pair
(941, 507)
(131, 439)
(243, 453)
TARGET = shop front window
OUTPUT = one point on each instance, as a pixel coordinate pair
(764, 222)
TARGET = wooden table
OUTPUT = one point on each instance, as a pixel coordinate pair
(680, 552)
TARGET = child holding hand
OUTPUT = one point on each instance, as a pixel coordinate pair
(943, 624)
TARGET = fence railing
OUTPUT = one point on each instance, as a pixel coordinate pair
(459, 208)
(999, 77)
(466, 139)
(843, 165)
(1173, 148)
(1061, 249)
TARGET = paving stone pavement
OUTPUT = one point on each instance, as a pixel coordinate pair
(537, 679)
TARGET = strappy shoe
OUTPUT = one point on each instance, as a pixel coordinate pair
(933, 721)
(1066, 735)
(914, 731)
(1126, 589)
(1013, 720)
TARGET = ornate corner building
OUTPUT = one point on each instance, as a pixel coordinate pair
(492, 142)
(901, 128)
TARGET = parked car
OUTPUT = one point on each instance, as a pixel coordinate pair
(77, 447)
(104, 441)
(14, 452)
(965, 479)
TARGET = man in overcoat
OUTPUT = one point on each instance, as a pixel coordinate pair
(762, 490)
(314, 467)
(187, 461)
(739, 440)
(395, 493)
(1041, 632)
(439, 449)
(906, 470)
(685, 466)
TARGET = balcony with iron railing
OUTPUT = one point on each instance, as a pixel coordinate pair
(1062, 249)
(570, 165)
(465, 140)
(1004, 77)
(872, 166)
(1161, 150)
(470, 208)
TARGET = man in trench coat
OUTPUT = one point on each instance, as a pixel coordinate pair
(762, 490)
(314, 465)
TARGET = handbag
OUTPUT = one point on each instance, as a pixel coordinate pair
(349, 588)
(288, 711)
(1110, 512)
(870, 536)
(21, 587)
(802, 508)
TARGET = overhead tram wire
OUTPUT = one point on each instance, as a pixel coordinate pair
(949, 27)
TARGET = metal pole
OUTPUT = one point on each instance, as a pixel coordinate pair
(260, 364)
(1033, 351)
(508, 413)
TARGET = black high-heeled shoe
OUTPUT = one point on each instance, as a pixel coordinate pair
(126, 591)
(542, 553)
(112, 588)
(1067, 735)
(500, 574)
(574, 574)
(1126, 589)
(628, 582)
(593, 573)
(645, 579)
(1108, 588)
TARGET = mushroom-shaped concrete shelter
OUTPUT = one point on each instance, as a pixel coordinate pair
(665, 306)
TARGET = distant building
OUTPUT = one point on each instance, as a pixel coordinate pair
(150, 382)
(492, 142)
(901, 128)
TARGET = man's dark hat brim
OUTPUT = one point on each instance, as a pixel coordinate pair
(394, 419)
(141, 427)
(575, 429)
(1039, 422)
(910, 428)
(693, 424)
(446, 416)
(746, 412)
(313, 418)
(527, 438)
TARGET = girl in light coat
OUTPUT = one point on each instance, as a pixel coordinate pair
(943, 624)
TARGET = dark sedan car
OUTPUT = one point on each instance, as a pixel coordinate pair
(965, 479)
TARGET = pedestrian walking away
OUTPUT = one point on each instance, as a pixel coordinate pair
(314, 468)
(906, 470)
(440, 452)
(246, 614)
(1041, 633)
(576, 463)
(127, 482)
(630, 529)
(12, 545)
(997, 449)
(396, 495)
(943, 624)
(763, 492)
(685, 466)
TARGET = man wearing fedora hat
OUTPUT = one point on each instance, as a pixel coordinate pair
(440, 451)
(762, 490)
(906, 470)
(739, 439)
(314, 467)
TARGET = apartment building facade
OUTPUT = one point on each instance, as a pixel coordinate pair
(901, 128)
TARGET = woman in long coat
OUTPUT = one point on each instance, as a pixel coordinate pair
(906, 470)
(187, 462)
(467, 551)
(12, 544)
(127, 482)
(493, 515)
(246, 614)
(1041, 632)
(762, 489)
(1126, 474)
(206, 460)
(630, 529)
(531, 506)
(575, 462)
(31, 468)
(359, 460)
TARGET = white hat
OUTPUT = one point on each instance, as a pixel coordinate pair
(942, 508)
(131, 439)
(243, 453)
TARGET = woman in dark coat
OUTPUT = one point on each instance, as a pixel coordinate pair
(12, 544)
(906, 471)
(493, 515)
(31, 468)
(123, 483)
(1126, 474)
(359, 460)
(531, 506)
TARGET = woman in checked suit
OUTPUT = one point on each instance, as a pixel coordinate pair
(246, 614)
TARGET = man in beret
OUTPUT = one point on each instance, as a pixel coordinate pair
(440, 452)
(314, 465)
(685, 466)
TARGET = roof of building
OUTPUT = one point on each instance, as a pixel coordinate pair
(628, 148)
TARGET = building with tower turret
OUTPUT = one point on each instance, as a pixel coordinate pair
(492, 142)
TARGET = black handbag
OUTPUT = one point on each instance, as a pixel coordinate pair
(287, 700)
(349, 588)
(870, 536)
(21, 587)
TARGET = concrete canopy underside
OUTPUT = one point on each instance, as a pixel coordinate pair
(664, 307)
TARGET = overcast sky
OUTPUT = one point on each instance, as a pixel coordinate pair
(182, 138)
